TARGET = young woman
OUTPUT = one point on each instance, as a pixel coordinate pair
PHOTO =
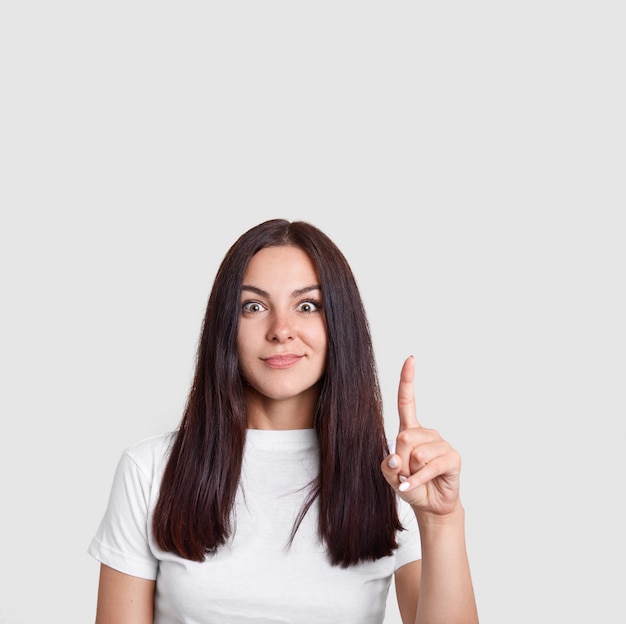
(277, 498)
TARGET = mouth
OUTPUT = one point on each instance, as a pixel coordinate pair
(282, 361)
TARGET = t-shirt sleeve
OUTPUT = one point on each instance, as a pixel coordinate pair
(121, 541)
(410, 546)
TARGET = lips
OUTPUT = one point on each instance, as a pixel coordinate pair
(282, 361)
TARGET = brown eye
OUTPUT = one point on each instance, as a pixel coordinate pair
(252, 307)
(309, 306)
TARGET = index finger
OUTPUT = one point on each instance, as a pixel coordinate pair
(406, 396)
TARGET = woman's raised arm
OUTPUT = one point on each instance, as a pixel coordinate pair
(425, 471)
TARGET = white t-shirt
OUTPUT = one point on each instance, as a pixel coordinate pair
(257, 577)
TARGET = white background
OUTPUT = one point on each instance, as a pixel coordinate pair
(467, 157)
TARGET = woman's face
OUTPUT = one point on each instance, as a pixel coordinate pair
(282, 339)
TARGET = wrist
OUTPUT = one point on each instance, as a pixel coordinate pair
(452, 518)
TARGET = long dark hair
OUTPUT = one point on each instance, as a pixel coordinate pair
(358, 518)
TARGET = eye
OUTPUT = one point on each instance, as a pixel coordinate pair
(309, 306)
(252, 306)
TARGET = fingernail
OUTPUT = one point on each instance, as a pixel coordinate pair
(402, 478)
(393, 462)
(404, 486)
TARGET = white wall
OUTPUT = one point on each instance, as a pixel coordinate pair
(467, 157)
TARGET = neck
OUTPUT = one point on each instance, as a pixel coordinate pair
(293, 413)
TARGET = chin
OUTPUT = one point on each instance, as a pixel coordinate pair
(287, 393)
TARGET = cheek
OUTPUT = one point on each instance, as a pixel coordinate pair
(244, 338)
(323, 335)
(319, 339)
(243, 354)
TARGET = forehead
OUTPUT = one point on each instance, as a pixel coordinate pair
(281, 264)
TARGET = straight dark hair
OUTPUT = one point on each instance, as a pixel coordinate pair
(358, 518)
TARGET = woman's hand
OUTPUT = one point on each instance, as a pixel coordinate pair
(424, 469)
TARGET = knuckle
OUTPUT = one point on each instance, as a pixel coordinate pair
(419, 455)
(405, 437)
(457, 457)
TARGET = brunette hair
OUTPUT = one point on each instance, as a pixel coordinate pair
(358, 517)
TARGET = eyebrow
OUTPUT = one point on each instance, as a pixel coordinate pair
(296, 293)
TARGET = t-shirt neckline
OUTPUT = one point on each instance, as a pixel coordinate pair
(281, 439)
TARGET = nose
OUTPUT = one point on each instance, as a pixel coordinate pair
(280, 328)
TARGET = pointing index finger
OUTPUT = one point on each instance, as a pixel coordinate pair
(406, 396)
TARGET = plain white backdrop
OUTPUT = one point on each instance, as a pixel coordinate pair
(467, 157)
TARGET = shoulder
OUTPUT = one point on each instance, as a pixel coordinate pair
(149, 454)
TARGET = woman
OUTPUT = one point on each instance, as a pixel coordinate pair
(277, 500)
